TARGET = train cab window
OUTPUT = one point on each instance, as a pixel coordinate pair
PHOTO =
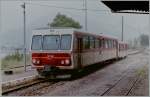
(36, 42)
(51, 42)
(65, 42)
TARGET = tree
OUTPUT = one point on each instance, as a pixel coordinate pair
(144, 40)
(63, 21)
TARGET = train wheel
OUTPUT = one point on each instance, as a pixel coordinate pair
(40, 74)
(46, 74)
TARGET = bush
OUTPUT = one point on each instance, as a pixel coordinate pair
(10, 60)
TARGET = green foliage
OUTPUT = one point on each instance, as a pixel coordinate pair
(63, 21)
(16, 56)
(11, 60)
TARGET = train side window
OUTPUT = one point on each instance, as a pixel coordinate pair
(106, 43)
(86, 43)
(100, 43)
(109, 43)
(96, 43)
(103, 43)
(114, 43)
(120, 47)
(123, 47)
(92, 42)
(75, 46)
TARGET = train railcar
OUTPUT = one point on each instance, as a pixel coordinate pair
(122, 49)
(63, 50)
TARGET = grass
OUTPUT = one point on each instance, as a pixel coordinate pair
(142, 71)
(14, 60)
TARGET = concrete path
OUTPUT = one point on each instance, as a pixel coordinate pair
(18, 75)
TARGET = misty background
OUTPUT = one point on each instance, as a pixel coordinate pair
(40, 13)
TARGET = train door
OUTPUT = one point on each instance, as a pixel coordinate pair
(79, 47)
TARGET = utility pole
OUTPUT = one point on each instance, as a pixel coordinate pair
(149, 25)
(122, 28)
(85, 8)
(24, 35)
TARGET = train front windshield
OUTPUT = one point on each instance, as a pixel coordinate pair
(51, 42)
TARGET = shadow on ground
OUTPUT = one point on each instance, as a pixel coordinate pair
(86, 71)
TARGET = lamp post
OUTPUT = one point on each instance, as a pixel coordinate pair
(85, 9)
(122, 29)
(24, 35)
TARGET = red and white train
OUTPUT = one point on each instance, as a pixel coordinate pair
(63, 50)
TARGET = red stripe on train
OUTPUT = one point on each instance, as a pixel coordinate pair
(53, 59)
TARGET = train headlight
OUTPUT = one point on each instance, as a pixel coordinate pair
(67, 61)
(62, 62)
(35, 61)
(38, 62)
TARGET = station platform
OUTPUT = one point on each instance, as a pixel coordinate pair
(18, 75)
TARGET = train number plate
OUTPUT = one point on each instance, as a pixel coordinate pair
(47, 67)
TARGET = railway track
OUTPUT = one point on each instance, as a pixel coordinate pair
(38, 86)
(31, 89)
(7, 90)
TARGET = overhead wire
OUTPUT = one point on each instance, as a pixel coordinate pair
(69, 8)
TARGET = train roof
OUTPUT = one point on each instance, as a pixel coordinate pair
(44, 28)
(68, 30)
(53, 30)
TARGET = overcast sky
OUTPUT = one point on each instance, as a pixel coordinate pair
(11, 19)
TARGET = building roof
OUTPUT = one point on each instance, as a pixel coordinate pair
(140, 7)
